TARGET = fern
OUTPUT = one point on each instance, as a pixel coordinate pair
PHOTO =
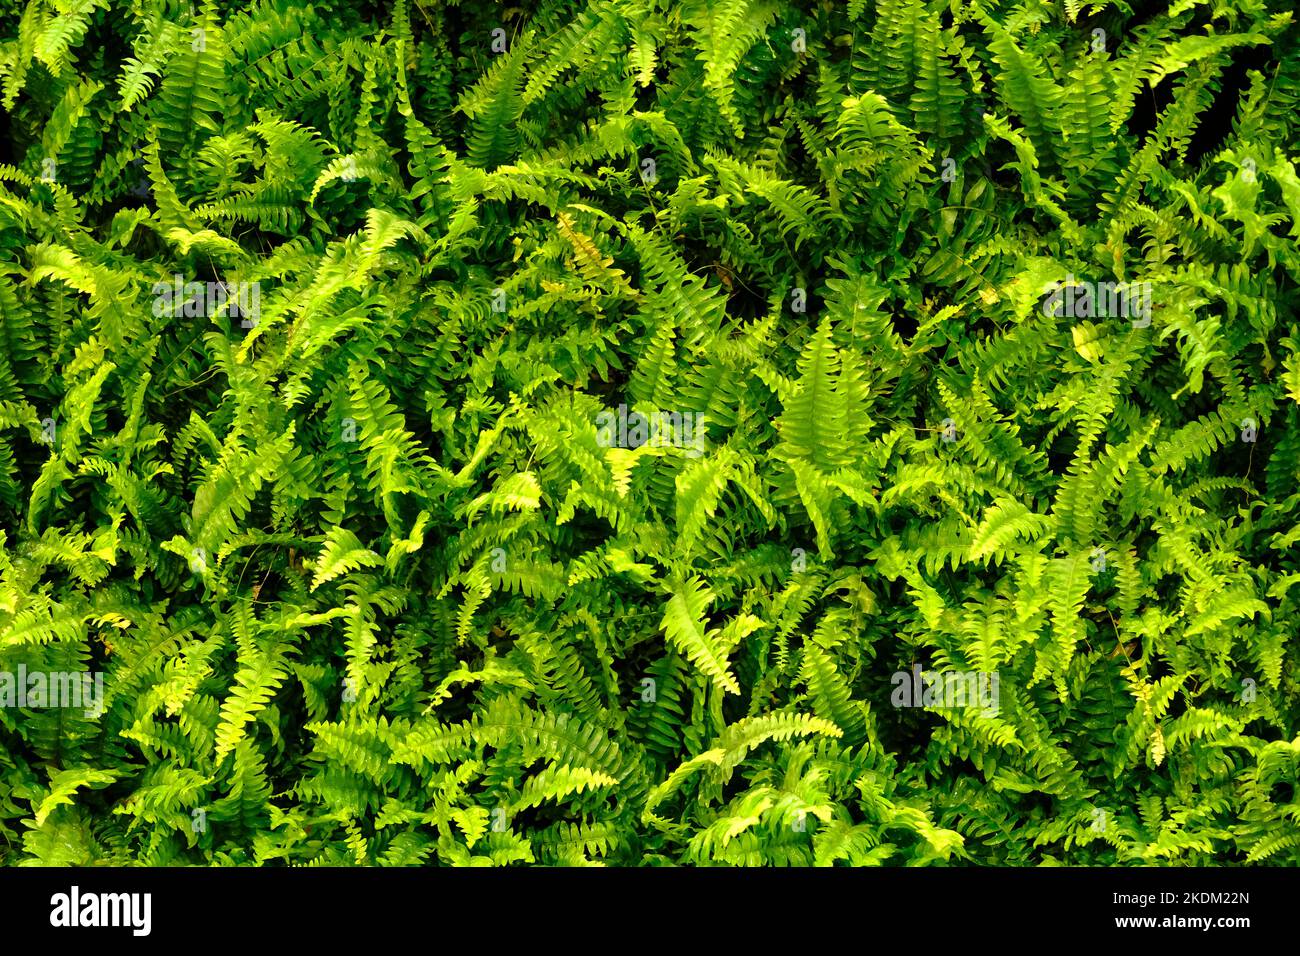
(951, 494)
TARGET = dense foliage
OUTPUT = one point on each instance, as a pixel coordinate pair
(469, 434)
